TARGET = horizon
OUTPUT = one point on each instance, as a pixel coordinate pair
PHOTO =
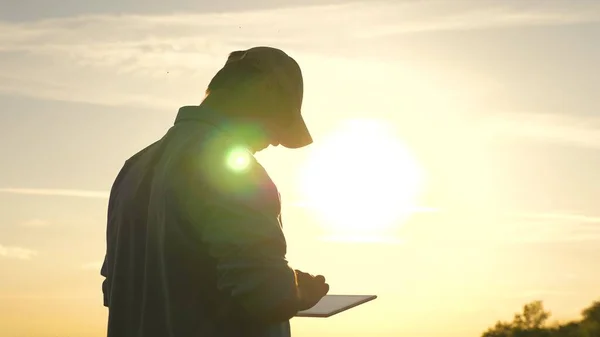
(470, 128)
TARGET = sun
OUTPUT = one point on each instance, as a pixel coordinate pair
(362, 179)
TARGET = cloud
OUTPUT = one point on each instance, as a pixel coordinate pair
(569, 217)
(16, 252)
(35, 223)
(57, 192)
(308, 205)
(165, 61)
(362, 239)
(95, 265)
(160, 60)
(539, 293)
(488, 15)
(552, 227)
(510, 227)
(556, 128)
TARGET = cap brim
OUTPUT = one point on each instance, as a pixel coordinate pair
(296, 135)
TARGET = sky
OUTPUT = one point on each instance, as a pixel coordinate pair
(492, 106)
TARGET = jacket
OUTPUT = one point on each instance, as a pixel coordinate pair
(195, 246)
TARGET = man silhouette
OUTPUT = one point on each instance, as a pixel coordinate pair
(194, 240)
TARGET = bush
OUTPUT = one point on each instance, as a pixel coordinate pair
(532, 322)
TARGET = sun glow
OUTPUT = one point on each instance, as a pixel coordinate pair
(361, 180)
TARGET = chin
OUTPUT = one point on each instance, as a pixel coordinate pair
(260, 148)
(264, 148)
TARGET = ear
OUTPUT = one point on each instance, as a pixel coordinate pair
(236, 56)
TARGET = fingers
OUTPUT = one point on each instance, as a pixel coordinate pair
(300, 276)
(314, 284)
(321, 284)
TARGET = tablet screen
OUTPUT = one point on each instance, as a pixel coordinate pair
(334, 304)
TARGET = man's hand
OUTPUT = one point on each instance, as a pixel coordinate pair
(311, 289)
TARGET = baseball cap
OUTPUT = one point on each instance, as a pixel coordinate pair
(292, 131)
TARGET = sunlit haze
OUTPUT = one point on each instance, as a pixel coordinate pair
(361, 179)
(454, 171)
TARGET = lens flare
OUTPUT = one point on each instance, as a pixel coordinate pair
(239, 159)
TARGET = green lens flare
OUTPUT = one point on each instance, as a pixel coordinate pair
(238, 159)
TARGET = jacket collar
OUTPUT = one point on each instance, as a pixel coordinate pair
(198, 113)
(239, 131)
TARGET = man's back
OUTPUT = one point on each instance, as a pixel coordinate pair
(195, 248)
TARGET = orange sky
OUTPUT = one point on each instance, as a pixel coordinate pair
(485, 197)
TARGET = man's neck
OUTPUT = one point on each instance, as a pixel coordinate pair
(249, 133)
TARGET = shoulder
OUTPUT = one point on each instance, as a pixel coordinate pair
(218, 165)
(231, 169)
(134, 162)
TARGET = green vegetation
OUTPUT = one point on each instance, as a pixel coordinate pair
(533, 322)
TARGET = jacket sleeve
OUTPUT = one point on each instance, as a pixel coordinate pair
(235, 212)
(105, 270)
(105, 290)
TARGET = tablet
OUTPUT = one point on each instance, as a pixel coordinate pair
(334, 304)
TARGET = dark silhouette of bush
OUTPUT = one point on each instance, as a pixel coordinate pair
(533, 322)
